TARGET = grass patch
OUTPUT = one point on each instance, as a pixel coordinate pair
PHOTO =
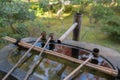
(96, 36)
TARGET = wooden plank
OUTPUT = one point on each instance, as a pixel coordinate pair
(102, 69)
(67, 32)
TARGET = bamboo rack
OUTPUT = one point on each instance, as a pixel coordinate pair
(77, 69)
(20, 60)
(36, 62)
(102, 69)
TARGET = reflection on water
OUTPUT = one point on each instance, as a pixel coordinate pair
(47, 69)
(50, 69)
(88, 76)
(2, 74)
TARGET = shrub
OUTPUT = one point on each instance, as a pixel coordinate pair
(68, 8)
(38, 9)
(14, 11)
(100, 12)
(21, 30)
(112, 27)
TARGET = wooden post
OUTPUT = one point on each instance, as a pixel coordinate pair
(67, 32)
(75, 53)
(76, 31)
(43, 38)
(51, 45)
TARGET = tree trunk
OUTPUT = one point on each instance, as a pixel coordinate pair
(113, 2)
(90, 19)
(96, 21)
(28, 0)
(61, 2)
(95, 1)
(12, 28)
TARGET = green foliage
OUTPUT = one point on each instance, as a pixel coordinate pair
(44, 5)
(100, 12)
(38, 10)
(81, 1)
(118, 3)
(83, 4)
(6, 0)
(68, 8)
(49, 5)
(75, 1)
(14, 11)
(21, 32)
(2, 24)
(11, 12)
(21, 29)
(104, 1)
(112, 27)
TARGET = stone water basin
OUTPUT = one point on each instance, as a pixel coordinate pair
(47, 69)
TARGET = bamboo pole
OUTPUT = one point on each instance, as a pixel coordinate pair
(77, 69)
(102, 69)
(35, 63)
(67, 33)
(20, 60)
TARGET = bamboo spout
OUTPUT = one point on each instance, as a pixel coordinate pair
(67, 32)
